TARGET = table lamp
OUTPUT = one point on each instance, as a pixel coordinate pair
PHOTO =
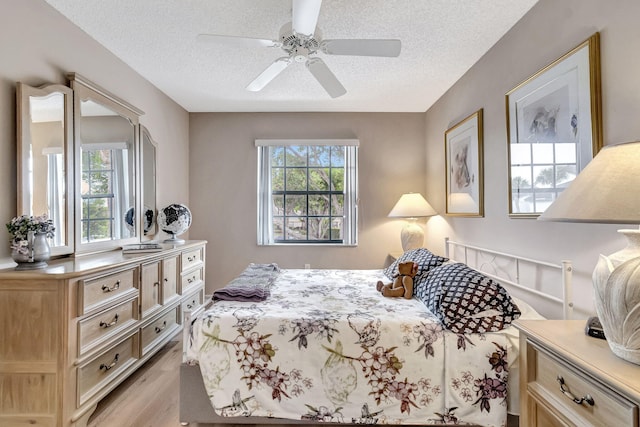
(608, 191)
(412, 206)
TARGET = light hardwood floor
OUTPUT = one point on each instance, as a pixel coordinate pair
(148, 398)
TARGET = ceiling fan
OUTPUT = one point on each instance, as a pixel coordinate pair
(301, 41)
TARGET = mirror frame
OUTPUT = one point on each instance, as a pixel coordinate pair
(85, 89)
(23, 94)
(144, 176)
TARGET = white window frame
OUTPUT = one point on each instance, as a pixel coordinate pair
(350, 215)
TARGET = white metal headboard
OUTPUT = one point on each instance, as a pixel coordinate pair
(565, 269)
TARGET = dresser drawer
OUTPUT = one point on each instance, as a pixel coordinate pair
(192, 258)
(100, 291)
(159, 328)
(190, 280)
(98, 328)
(552, 375)
(96, 374)
(194, 301)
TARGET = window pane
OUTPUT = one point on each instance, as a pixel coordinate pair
(319, 156)
(520, 177)
(545, 177)
(277, 179)
(296, 205)
(566, 153)
(296, 228)
(337, 179)
(100, 183)
(337, 156)
(319, 179)
(278, 228)
(318, 205)
(520, 154)
(337, 204)
(565, 174)
(99, 208)
(319, 228)
(336, 229)
(100, 229)
(296, 179)
(296, 156)
(98, 160)
(522, 202)
(277, 156)
(278, 204)
(542, 153)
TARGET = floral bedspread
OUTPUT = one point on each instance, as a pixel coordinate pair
(326, 346)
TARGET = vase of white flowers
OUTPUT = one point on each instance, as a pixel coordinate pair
(29, 244)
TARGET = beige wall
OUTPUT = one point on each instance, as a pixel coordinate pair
(223, 163)
(39, 46)
(548, 31)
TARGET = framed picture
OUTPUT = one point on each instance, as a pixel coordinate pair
(554, 128)
(464, 164)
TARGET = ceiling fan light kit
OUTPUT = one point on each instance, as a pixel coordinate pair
(300, 39)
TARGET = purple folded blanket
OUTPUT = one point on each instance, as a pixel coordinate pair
(252, 284)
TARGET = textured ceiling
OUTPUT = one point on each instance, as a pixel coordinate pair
(441, 40)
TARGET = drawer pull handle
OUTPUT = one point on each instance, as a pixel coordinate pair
(190, 306)
(191, 258)
(107, 289)
(105, 368)
(191, 279)
(587, 398)
(106, 325)
(156, 283)
(161, 328)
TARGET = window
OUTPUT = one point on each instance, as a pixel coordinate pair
(307, 191)
(102, 179)
(539, 173)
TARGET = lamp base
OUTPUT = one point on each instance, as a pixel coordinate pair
(616, 281)
(412, 236)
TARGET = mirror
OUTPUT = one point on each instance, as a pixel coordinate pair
(45, 159)
(148, 177)
(106, 180)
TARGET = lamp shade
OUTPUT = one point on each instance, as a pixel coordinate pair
(412, 205)
(606, 191)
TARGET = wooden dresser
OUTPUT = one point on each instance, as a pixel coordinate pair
(570, 379)
(70, 333)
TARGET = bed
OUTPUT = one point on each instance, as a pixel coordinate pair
(311, 346)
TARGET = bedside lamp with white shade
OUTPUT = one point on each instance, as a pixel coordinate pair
(608, 191)
(412, 206)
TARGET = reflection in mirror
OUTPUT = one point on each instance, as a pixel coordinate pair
(106, 149)
(148, 177)
(45, 159)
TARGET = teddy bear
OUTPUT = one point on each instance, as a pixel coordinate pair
(402, 285)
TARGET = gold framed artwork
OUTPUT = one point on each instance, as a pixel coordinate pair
(464, 167)
(554, 128)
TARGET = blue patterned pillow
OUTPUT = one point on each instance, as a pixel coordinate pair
(458, 295)
(421, 256)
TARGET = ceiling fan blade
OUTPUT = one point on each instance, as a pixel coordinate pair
(305, 16)
(325, 77)
(269, 74)
(362, 47)
(237, 41)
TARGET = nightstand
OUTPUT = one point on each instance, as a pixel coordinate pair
(568, 378)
